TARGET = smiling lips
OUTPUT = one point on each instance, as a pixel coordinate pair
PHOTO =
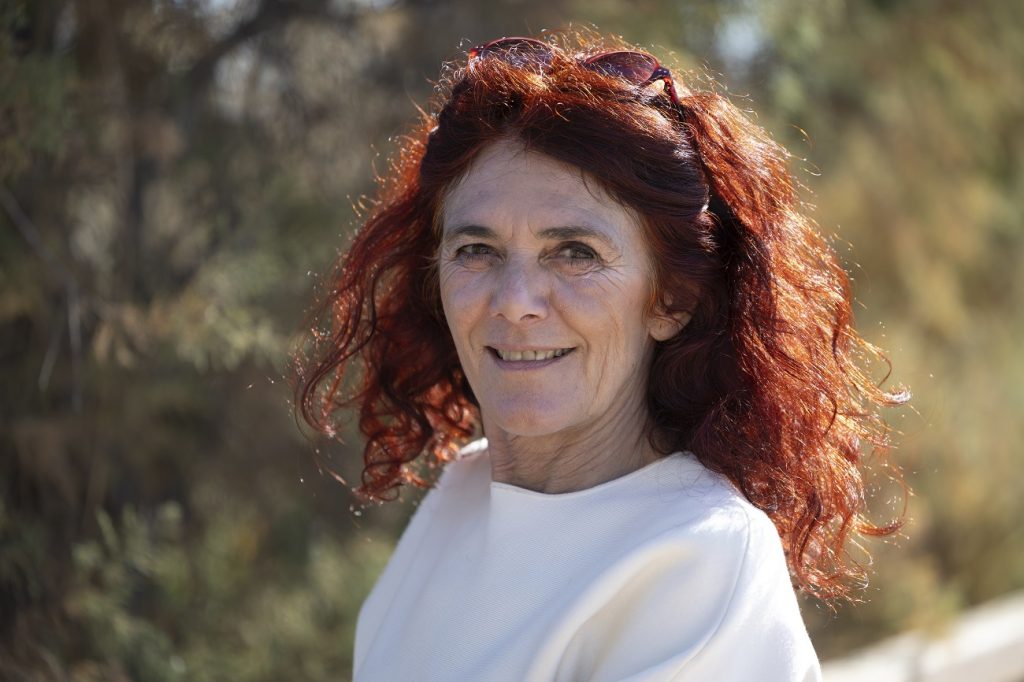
(530, 355)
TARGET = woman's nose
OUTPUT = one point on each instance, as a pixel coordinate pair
(521, 291)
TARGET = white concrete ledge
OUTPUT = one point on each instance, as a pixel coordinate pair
(985, 644)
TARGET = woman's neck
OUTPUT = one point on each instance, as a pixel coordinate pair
(573, 459)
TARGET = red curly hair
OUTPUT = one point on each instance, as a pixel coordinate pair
(767, 384)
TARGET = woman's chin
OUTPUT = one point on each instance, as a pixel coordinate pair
(528, 423)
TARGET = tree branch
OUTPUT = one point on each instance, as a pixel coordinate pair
(63, 275)
(270, 15)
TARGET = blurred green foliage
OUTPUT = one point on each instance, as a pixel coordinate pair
(229, 603)
(173, 173)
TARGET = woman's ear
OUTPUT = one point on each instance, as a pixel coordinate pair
(662, 326)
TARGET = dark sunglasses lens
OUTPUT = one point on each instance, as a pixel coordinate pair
(519, 52)
(636, 67)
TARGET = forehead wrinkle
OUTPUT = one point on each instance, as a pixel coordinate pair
(477, 231)
(561, 216)
(459, 182)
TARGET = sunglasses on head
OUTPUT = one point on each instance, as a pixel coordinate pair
(639, 68)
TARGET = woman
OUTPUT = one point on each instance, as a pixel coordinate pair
(607, 275)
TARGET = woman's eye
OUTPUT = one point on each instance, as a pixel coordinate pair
(577, 255)
(475, 253)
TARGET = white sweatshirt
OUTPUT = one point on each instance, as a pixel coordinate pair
(667, 573)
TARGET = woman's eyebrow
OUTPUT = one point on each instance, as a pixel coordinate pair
(560, 233)
(477, 231)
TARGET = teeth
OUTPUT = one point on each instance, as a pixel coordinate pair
(517, 356)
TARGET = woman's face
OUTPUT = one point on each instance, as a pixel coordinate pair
(544, 281)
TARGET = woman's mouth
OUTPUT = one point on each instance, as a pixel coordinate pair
(529, 355)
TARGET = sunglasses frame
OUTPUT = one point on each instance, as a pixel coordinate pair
(610, 63)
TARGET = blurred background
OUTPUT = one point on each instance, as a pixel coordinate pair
(174, 175)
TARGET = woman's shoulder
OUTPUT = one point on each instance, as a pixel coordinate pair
(711, 523)
(710, 554)
(688, 500)
(710, 598)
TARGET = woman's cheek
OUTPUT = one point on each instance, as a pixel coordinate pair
(462, 293)
(592, 293)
